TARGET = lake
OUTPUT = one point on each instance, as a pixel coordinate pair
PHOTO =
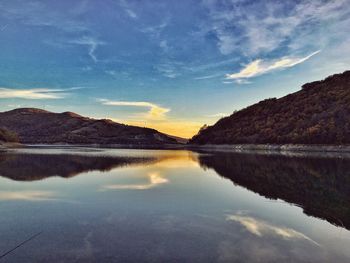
(71, 204)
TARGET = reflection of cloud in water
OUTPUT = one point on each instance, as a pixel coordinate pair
(154, 180)
(261, 228)
(26, 195)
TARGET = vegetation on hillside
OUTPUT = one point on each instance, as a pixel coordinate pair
(317, 114)
(8, 136)
(36, 126)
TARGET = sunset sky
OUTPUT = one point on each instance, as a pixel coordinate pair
(169, 65)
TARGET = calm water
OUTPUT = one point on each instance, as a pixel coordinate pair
(95, 205)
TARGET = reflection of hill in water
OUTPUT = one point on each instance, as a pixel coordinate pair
(31, 167)
(321, 186)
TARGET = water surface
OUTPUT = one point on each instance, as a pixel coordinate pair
(105, 205)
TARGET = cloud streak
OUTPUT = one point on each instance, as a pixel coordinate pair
(124, 4)
(33, 94)
(155, 112)
(26, 196)
(91, 43)
(259, 67)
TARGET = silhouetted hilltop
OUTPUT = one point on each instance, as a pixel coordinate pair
(36, 126)
(317, 114)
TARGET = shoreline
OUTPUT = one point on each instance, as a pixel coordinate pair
(209, 147)
(273, 148)
(10, 145)
(288, 150)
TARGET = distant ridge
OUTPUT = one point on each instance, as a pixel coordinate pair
(317, 114)
(37, 126)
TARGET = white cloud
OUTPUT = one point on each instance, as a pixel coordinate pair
(155, 112)
(26, 195)
(261, 228)
(91, 43)
(227, 43)
(164, 45)
(263, 26)
(242, 81)
(217, 115)
(131, 13)
(33, 94)
(260, 67)
(125, 5)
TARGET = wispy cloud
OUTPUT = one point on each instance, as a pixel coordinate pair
(156, 118)
(168, 70)
(125, 5)
(164, 45)
(217, 115)
(263, 26)
(26, 195)
(260, 228)
(155, 30)
(209, 76)
(260, 67)
(131, 13)
(34, 94)
(91, 43)
(35, 13)
(155, 112)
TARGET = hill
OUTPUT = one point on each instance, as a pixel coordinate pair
(36, 126)
(317, 114)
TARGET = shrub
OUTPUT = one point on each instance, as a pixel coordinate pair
(8, 136)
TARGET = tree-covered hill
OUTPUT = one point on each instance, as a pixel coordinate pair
(317, 114)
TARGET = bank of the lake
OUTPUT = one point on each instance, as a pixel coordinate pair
(273, 147)
(258, 148)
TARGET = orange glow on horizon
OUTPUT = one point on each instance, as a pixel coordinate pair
(180, 128)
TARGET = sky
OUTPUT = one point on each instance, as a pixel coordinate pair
(169, 65)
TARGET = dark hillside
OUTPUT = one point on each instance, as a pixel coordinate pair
(35, 126)
(317, 114)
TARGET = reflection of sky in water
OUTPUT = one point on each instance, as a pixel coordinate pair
(161, 209)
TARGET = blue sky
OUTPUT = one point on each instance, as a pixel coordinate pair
(171, 65)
